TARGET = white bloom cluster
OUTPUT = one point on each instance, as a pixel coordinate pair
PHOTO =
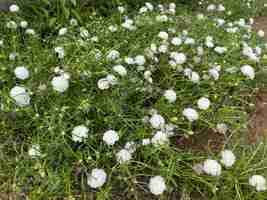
(212, 167)
(60, 52)
(21, 73)
(105, 83)
(160, 138)
(203, 103)
(14, 8)
(79, 133)
(113, 55)
(178, 58)
(34, 151)
(228, 158)
(157, 121)
(121, 70)
(191, 114)
(110, 137)
(62, 31)
(258, 181)
(60, 83)
(20, 95)
(248, 71)
(97, 178)
(170, 95)
(157, 185)
(123, 156)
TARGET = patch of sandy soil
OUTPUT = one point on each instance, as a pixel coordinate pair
(258, 122)
(208, 141)
(260, 23)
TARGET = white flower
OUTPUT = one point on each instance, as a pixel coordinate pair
(157, 121)
(20, 95)
(214, 73)
(110, 137)
(34, 151)
(73, 22)
(140, 60)
(13, 56)
(30, 31)
(112, 79)
(203, 103)
(149, 6)
(79, 133)
(120, 70)
(21, 73)
(191, 114)
(248, 71)
(23, 24)
(221, 8)
(60, 83)
(194, 77)
(258, 181)
(170, 95)
(211, 7)
(128, 24)
(60, 52)
(261, 33)
(14, 8)
(97, 178)
(163, 48)
(162, 18)
(179, 58)
(84, 33)
(130, 146)
(103, 84)
(189, 41)
(146, 141)
(62, 31)
(121, 9)
(228, 158)
(176, 41)
(220, 50)
(163, 35)
(113, 55)
(11, 25)
(200, 16)
(129, 60)
(113, 28)
(157, 185)
(160, 138)
(212, 167)
(123, 156)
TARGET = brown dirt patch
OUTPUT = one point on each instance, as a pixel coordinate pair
(258, 122)
(260, 23)
(208, 140)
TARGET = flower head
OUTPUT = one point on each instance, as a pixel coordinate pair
(258, 181)
(228, 158)
(157, 185)
(21, 72)
(157, 121)
(20, 95)
(123, 156)
(110, 137)
(60, 83)
(79, 133)
(191, 114)
(97, 178)
(212, 167)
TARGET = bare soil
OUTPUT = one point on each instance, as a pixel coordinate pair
(260, 23)
(258, 120)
